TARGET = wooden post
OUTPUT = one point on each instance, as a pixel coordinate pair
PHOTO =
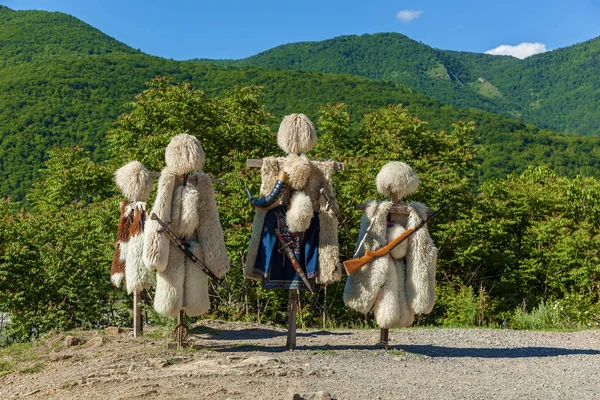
(180, 331)
(138, 326)
(384, 338)
(292, 306)
(324, 315)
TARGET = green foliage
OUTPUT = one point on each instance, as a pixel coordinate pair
(460, 306)
(54, 267)
(37, 35)
(542, 317)
(164, 110)
(70, 176)
(530, 238)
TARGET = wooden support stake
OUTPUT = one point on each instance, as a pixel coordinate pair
(395, 209)
(324, 315)
(384, 339)
(138, 325)
(155, 174)
(180, 331)
(253, 163)
(292, 306)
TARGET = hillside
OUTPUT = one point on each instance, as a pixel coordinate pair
(559, 90)
(62, 82)
(36, 35)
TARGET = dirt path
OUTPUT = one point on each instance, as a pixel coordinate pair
(248, 361)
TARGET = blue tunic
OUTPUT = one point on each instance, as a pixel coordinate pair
(272, 264)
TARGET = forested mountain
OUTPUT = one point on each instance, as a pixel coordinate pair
(36, 35)
(559, 89)
(63, 83)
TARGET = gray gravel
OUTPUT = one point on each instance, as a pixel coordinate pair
(249, 361)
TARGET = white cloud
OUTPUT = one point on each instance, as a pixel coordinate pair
(521, 51)
(408, 15)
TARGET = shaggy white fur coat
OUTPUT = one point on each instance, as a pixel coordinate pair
(398, 286)
(307, 178)
(135, 183)
(191, 210)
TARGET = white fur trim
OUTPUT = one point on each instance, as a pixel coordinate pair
(420, 264)
(123, 249)
(387, 304)
(187, 219)
(298, 169)
(300, 213)
(296, 134)
(399, 251)
(210, 232)
(196, 301)
(117, 278)
(168, 299)
(134, 180)
(156, 244)
(363, 286)
(397, 179)
(184, 154)
(136, 274)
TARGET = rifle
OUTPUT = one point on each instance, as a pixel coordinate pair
(184, 248)
(355, 264)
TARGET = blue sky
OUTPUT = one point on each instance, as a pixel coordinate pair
(182, 30)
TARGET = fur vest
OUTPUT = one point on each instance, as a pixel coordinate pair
(310, 182)
(127, 262)
(398, 286)
(191, 210)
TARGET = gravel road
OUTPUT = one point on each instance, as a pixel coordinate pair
(249, 361)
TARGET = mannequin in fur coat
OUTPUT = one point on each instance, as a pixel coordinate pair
(188, 203)
(135, 183)
(398, 286)
(305, 213)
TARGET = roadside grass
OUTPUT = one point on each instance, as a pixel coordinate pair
(544, 317)
(325, 352)
(249, 346)
(394, 352)
(158, 332)
(20, 357)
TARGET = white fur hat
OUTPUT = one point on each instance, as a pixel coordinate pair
(397, 178)
(134, 180)
(184, 154)
(296, 134)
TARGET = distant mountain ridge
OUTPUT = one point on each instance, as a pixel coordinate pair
(559, 89)
(63, 82)
(34, 35)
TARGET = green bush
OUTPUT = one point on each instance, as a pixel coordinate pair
(459, 304)
(543, 317)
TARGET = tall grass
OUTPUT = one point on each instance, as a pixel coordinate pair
(542, 317)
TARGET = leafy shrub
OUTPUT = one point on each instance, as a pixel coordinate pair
(543, 317)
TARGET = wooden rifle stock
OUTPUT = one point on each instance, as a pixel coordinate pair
(355, 264)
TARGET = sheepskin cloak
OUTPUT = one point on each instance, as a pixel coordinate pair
(402, 284)
(128, 263)
(191, 210)
(309, 177)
